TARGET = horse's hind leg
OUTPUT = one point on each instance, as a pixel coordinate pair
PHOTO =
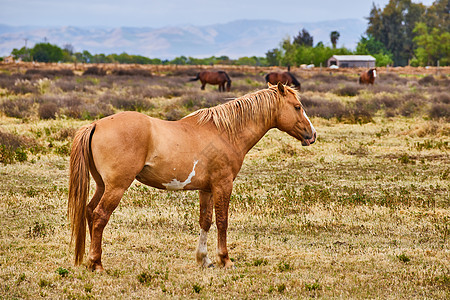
(100, 189)
(100, 217)
(92, 205)
(203, 85)
(206, 210)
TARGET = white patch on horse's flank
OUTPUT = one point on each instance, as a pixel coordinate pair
(374, 73)
(178, 185)
(312, 127)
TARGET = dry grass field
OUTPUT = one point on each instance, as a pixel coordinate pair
(364, 213)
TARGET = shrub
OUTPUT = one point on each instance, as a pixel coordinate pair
(319, 107)
(174, 114)
(14, 148)
(195, 100)
(126, 102)
(348, 90)
(17, 108)
(442, 98)
(95, 71)
(49, 72)
(428, 80)
(131, 72)
(48, 110)
(440, 110)
(408, 108)
(391, 78)
(67, 85)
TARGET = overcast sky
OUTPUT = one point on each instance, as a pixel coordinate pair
(149, 13)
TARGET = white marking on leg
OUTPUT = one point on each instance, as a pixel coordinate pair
(177, 185)
(202, 242)
(202, 249)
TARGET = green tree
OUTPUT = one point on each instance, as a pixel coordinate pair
(437, 15)
(303, 38)
(334, 37)
(394, 27)
(46, 52)
(182, 60)
(369, 45)
(288, 52)
(432, 45)
(273, 57)
(22, 53)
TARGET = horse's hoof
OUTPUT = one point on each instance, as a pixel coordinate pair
(211, 266)
(95, 267)
(99, 269)
(229, 265)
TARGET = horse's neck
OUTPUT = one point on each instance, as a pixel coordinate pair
(249, 136)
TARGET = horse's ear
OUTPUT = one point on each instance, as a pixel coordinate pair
(281, 88)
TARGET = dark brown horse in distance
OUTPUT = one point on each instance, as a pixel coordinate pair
(284, 77)
(368, 77)
(214, 77)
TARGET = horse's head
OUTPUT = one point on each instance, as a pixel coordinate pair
(291, 116)
(373, 72)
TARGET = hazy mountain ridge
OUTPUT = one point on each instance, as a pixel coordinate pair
(234, 39)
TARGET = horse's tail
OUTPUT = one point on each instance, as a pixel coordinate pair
(228, 80)
(79, 188)
(295, 82)
(196, 78)
(359, 80)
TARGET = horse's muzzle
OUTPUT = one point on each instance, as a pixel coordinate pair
(310, 140)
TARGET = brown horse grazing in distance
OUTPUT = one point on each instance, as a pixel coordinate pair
(203, 151)
(368, 77)
(214, 77)
(284, 77)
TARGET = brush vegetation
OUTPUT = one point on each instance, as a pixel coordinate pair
(362, 213)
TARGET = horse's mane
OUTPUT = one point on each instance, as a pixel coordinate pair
(294, 80)
(226, 75)
(233, 116)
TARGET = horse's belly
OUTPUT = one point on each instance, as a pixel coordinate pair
(171, 180)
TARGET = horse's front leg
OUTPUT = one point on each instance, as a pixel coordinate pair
(206, 210)
(221, 196)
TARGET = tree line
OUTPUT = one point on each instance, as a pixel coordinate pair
(402, 33)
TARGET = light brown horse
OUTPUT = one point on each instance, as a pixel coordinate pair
(368, 77)
(214, 77)
(203, 151)
(284, 77)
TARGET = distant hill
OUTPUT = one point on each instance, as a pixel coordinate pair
(234, 39)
